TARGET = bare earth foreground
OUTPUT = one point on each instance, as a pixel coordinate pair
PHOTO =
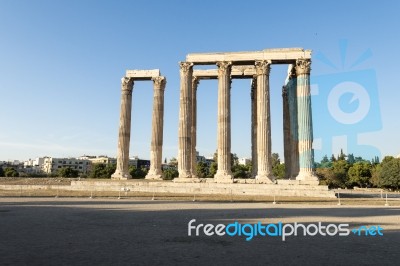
(82, 231)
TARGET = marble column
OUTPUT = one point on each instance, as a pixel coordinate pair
(305, 129)
(124, 135)
(264, 172)
(294, 139)
(287, 143)
(254, 160)
(155, 171)
(185, 123)
(195, 82)
(224, 173)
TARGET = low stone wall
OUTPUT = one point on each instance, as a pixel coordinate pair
(288, 189)
(205, 188)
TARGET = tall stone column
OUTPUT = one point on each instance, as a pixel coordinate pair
(195, 82)
(294, 139)
(306, 152)
(264, 172)
(155, 171)
(254, 159)
(287, 143)
(224, 173)
(124, 135)
(185, 123)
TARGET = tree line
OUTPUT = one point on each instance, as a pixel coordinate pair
(348, 171)
(342, 171)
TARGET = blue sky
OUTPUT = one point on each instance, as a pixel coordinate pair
(61, 63)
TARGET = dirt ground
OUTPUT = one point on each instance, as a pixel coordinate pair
(105, 231)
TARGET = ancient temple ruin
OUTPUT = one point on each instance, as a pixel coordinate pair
(254, 65)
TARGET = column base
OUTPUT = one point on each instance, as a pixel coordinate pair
(118, 175)
(186, 180)
(308, 178)
(184, 174)
(223, 177)
(264, 179)
(151, 176)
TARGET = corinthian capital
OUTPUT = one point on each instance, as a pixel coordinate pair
(224, 68)
(303, 66)
(159, 82)
(263, 67)
(126, 85)
(185, 67)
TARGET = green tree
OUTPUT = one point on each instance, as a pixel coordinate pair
(10, 172)
(389, 173)
(325, 159)
(350, 158)
(340, 169)
(335, 176)
(359, 174)
(234, 159)
(325, 163)
(279, 171)
(359, 159)
(376, 176)
(375, 160)
(275, 159)
(328, 178)
(1, 172)
(341, 156)
(102, 170)
(170, 173)
(241, 171)
(202, 169)
(213, 169)
(67, 172)
(137, 173)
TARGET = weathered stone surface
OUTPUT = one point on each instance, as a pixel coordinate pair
(237, 72)
(264, 167)
(185, 122)
(224, 173)
(195, 83)
(143, 74)
(155, 171)
(289, 188)
(306, 153)
(124, 135)
(254, 157)
(276, 56)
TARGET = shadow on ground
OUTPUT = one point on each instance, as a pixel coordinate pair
(105, 232)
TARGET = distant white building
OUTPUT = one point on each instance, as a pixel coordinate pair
(103, 159)
(36, 162)
(34, 166)
(51, 165)
(244, 161)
